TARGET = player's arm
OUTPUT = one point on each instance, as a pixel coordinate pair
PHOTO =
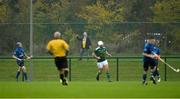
(95, 56)
(50, 52)
(28, 57)
(16, 58)
(66, 47)
(108, 54)
(145, 53)
(150, 55)
(49, 49)
(77, 36)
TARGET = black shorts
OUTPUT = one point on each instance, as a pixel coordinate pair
(148, 64)
(20, 63)
(61, 62)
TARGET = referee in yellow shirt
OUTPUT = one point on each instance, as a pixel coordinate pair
(59, 49)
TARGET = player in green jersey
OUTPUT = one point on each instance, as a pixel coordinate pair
(102, 63)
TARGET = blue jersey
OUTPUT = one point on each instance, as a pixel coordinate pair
(156, 50)
(148, 49)
(19, 53)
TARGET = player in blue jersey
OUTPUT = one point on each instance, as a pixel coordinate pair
(102, 63)
(148, 60)
(19, 54)
(156, 51)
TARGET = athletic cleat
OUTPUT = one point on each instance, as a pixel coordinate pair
(144, 83)
(64, 83)
(159, 80)
(153, 79)
(97, 78)
(60, 81)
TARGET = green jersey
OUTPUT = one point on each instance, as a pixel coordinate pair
(101, 52)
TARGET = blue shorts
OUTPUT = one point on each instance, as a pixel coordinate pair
(20, 63)
(148, 64)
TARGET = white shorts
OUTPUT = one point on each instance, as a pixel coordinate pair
(101, 64)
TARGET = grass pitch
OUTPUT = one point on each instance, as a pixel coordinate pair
(83, 85)
(125, 89)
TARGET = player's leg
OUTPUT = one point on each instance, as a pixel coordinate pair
(58, 64)
(86, 53)
(23, 70)
(18, 73)
(61, 64)
(24, 73)
(158, 74)
(62, 76)
(66, 72)
(81, 53)
(153, 73)
(106, 68)
(100, 68)
(19, 63)
(144, 76)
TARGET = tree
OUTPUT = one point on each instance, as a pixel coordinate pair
(167, 13)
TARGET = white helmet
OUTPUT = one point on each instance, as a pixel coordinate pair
(19, 44)
(100, 43)
(57, 34)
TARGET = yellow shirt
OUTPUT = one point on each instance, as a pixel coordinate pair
(58, 47)
(84, 43)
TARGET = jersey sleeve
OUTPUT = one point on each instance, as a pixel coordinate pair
(158, 51)
(48, 47)
(145, 50)
(66, 46)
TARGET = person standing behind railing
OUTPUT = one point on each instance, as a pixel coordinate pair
(85, 44)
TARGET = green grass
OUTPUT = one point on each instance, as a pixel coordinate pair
(126, 89)
(85, 70)
(45, 81)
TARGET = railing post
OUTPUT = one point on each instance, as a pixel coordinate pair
(69, 68)
(165, 70)
(117, 69)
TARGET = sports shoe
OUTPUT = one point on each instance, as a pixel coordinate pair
(64, 82)
(153, 79)
(97, 78)
(144, 82)
(159, 79)
(60, 81)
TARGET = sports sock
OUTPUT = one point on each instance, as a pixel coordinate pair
(144, 77)
(25, 75)
(66, 73)
(62, 77)
(157, 74)
(17, 75)
(153, 74)
(108, 75)
(97, 76)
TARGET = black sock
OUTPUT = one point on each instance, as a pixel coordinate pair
(108, 75)
(62, 77)
(66, 73)
(153, 74)
(97, 76)
(144, 77)
(17, 75)
(25, 75)
(157, 73)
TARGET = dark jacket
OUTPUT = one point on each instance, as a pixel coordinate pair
(88, 42)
